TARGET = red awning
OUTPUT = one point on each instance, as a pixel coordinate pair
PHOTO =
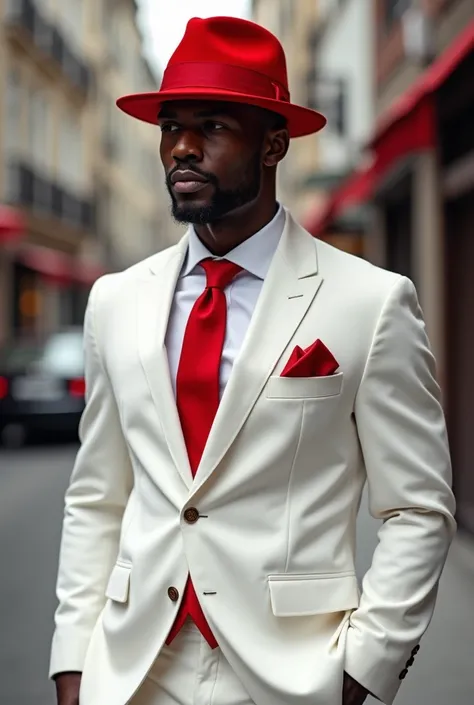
(353, 191)
(318, 219)
(12, 224)
(86, 273)
(55, 267)
(409, 124)
(414, 132)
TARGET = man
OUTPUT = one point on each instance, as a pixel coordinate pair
(241, 388)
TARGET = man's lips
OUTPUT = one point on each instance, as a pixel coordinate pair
(189, 186)
(188, 182)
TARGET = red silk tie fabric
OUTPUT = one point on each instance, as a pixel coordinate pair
(198, 394)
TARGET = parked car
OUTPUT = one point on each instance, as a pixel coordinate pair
(42, 388)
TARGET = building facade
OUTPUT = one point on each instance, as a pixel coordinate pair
(329, 46)
(82, 178)
(293, 24)
(424, 191)
(402, 158)
(133, 206)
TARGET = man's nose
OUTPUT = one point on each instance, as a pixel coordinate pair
(187, 146)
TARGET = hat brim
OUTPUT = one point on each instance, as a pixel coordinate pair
(145, 106)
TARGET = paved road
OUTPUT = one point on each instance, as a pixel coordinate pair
(32, 485)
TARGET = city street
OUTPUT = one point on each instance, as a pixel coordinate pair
(32, 485)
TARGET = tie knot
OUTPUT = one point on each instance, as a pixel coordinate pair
(219, 272)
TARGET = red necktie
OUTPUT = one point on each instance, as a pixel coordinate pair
(197, 394)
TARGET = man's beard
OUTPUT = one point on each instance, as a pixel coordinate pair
(223, 201)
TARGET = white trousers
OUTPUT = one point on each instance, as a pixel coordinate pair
(189, 672)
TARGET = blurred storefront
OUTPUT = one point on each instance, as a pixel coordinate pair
(424, 191)
(416, 180)
(83, 178)
(46, 145)
(455, 103)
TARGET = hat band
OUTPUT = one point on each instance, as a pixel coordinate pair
(223, 77)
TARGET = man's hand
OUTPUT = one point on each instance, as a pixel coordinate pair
(353, 692)
(67, 688)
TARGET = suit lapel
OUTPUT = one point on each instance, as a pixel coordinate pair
(288, 291)
(155, 297)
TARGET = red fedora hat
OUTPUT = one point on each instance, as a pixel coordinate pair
(228, 59)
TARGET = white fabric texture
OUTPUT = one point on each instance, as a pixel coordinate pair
(277, 489)
(189, 672)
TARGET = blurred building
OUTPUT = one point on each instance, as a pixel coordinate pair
(424, 190)
(329, 49)
(293, 24)
(82, 178)
(133, 207)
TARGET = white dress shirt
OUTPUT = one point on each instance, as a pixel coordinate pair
(254, 256)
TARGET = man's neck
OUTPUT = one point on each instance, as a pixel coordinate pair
(227, 234)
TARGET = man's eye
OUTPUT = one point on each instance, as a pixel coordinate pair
(214, 126)
(168, 127)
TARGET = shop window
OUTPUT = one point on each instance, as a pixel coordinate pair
(27, 302)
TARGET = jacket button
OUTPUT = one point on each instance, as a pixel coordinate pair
(173, 594)
(410, 662)
(403, 674)
(415, 650)
(191, 515)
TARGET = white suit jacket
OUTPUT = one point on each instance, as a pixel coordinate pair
(278, 487)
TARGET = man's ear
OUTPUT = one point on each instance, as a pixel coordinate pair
(276, 147)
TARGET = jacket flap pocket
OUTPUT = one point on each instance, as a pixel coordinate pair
(119, 583)
(304, 387)
(293, 596)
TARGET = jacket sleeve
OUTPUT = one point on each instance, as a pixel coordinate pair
(100, 485)
(403, 439)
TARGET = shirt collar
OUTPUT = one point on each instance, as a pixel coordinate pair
(254, 254)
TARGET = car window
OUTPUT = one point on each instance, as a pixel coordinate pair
(63, 355)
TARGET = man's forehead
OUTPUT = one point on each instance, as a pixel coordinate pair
(202, 108)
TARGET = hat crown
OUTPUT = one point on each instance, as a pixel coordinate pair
(231, 60)
(232, 41)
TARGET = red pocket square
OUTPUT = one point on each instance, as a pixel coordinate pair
(315, 361)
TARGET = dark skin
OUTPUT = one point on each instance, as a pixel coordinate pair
(232, 144)
(221, 139)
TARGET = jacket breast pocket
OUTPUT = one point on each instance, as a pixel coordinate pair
(300, 595)
(118, 587)
(301, 388)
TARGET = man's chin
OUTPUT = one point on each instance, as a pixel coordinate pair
(193, 214)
